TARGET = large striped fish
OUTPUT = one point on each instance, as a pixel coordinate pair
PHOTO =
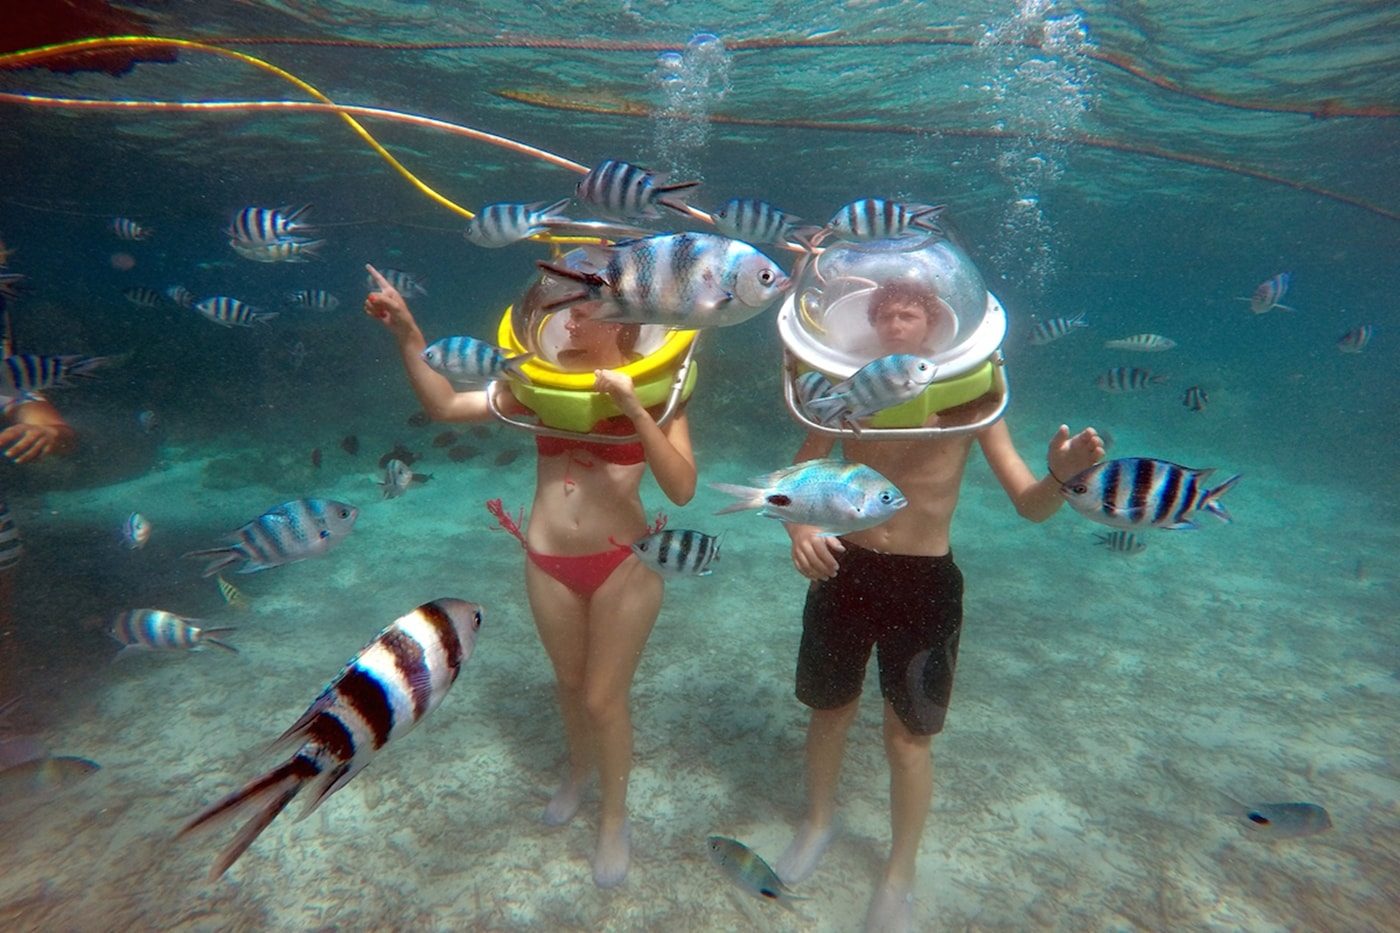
(22, 373)
(678, 552)
(1052, 329)
(468, 361)
(1138, 492)
(686, 280)
(500, 225)
(879, 219)
(755, 221)
(230, 312)
(289, 532)
(264, 226)
(882, 383)
(382, 693)
(158, 630)
(623, 191)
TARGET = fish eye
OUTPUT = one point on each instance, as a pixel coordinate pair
(766, 277)
(1079, 489)
(476, 619)
(344, 513)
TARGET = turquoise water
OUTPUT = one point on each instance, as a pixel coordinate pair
(1105, 706)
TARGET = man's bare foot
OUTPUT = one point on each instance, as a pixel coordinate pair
(613, 856)
(891, 911)
(801, 857)
(565, 802)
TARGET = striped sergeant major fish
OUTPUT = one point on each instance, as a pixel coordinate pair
(315, 299)
(1268, 294)
(1128, 379)
(1355, 340)
(1054, 328)
(407, 284)
(127, 229)
(142, 297)
(136, 531)
(679, 552)
(500, 225)
(10, 547)
(747, 869)
(1142, 343)
(879, 219)
(837, 496)
(882, 383)
(181, 295)
(756, 221)
(288, 250)
(623, 191)
(1138, 492)
(264, 226)
(26, 373)
(808, 386)
(284, 534)
(689, 280)
(232, 595)
(1195, 398)
(382, 693)
(1122, 542)
(158, 630)
(230, 312)
(468, 361)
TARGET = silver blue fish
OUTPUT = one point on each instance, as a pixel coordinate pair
(747, 869)
(136, 531)
(40, 777)
(1128, 379)
(158, 630)
(398, 476)
(687, 280)
(836, 496)
(1122, 542)
(1056, 327)
(263, 226)
(468, 361)
(316, 299)
(407, 284)
(500, 225)
(1138, 492)
(284, 534)
(127, 229)
(230, 312)
(624, 191)
(882, 383)
(879, 219)
(1285, 820)
(1355, 340)
(381, 694)
(755, 221)
(26, 373)
(678, 552)
(1142, 343)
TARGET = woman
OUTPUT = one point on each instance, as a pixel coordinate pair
(594, 603)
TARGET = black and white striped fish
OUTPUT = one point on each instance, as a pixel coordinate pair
(22, 373)
(181, 295)
(1355, 340)
(1195, 398)
(879, 219)
(230, 312)
(500, 225)
(382, 693)
(468, 361)
(623, 191)
(754, 221)
(407, 284)
(1054, 328)
(316, 299)
(1142, 343)
(1138, 492)
(808, 386)
(127, 229)
(158, 630)
(284, 534)
(142, 297)
(679, 552)
(290, 249)
(264, 226)
(1128, 379)
(1122, 542)
(882, 383)
(10, 547)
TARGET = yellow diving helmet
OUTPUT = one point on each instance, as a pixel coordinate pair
(564, 399)
(826, 329)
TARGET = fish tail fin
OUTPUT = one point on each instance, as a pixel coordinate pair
(85, 366)
(554, 213)
(1210, 501)
(749, 497)
(332, 781)
(311, 249)
(274, 790)
(262, 317)
(1285, 307)
(207, 633)
(218, 557)
(294, 215)
(672, 195)
(514, 364)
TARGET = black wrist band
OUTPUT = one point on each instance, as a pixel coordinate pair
(1052, 475)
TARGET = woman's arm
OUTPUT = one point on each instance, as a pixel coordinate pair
(39, 430)
(1038, 499)
(438, 397)
(668, 449)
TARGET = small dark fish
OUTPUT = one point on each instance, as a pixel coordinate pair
(461, 452)
(1195, 398)
(1286, 820)
(446, 439)
(481, 431)
(316, 458)
(418, 419)
(1122, 542)
(400, 452)
(1356, 339)
(506, 457)
(350, 444)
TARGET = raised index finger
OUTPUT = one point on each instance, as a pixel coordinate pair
(379, 280)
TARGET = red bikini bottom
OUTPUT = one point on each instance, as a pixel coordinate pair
(581, 573)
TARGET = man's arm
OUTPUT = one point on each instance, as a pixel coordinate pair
(39, 430)
(814, 555)
(1038, 499)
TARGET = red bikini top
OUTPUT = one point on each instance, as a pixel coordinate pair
(616, 426)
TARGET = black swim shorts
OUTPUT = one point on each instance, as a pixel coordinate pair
(910, 607)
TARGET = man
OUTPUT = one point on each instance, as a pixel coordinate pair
(895, 586)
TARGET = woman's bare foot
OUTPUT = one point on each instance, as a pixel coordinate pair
(891, 911)
(565, 802)
(613, 856)
(800, 859)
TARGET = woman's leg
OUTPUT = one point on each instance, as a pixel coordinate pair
(620, 619)
(561, 618)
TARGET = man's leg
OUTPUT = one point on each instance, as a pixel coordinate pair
(826, 746)
(911, 793)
